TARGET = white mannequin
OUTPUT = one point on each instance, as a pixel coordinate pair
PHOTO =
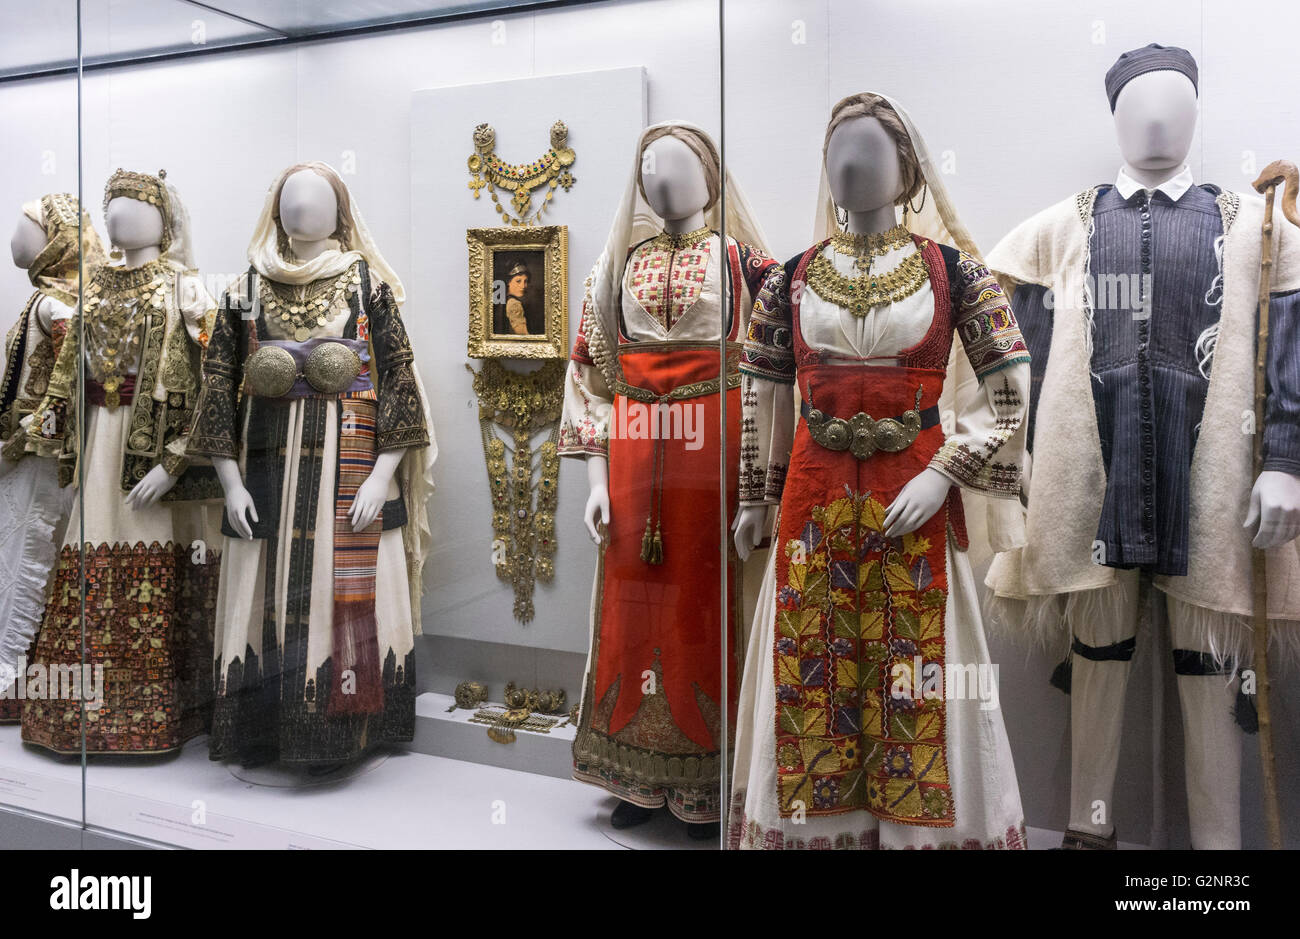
(137, 228)
(866, 181)
(678, 191)
(309, 212)
(1155, 119)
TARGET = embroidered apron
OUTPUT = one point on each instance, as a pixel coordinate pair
(860, 615)
(653, 709)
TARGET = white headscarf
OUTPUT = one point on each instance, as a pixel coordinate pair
(634, 222)
(181, 248)
(264, 248)
(938, 219)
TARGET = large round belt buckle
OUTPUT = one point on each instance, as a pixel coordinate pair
(837, 434)
(271, 372)
(891, 436)
(331, 368)
(863, 429)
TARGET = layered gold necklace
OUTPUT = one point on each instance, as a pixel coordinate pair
(116, 302)
(300, 309)
(671, 241)
(551, 170)
(523, 511)
(869, 287)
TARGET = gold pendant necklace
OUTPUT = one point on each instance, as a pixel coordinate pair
(299, 309)
(523, 526)
(869, 288)
(115, 307)
(551, 170)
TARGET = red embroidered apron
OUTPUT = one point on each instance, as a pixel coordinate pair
(651, 719)
(855, 609)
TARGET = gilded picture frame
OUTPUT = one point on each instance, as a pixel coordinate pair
(518, 292)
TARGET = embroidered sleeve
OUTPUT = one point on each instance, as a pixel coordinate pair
(1282, 406)
(588, 404)
(767, 421)
(983, 319)
(755, 265)
(769, 343)
(400, 422)
(985, 452)
(212, 433)
(581, 350)
(49, 426)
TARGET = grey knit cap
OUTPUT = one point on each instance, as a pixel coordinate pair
(1152, 58)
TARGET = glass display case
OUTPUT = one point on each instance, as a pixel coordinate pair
(612, 424)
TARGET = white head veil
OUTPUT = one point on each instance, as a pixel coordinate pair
(634, 222)
(181, 248)
(267, 259)
(938, 219)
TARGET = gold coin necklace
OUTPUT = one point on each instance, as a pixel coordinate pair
(299, 309)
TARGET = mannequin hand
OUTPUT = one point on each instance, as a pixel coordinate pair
(239, 509)
(156, 484)
(917, 503)
(368, 502)
(748, 527)
(596, 511)
(1275, 507)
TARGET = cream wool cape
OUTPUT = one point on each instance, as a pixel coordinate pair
(1067, 477)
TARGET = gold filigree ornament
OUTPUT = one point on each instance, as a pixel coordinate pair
(114, 309)
(550, 171)
(296, 311)
(870, 287)
(524, 495)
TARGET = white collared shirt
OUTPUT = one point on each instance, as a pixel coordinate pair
(1175, 187)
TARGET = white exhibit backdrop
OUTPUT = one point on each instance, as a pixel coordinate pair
(1009, 94)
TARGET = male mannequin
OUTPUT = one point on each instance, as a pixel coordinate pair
(1172, 451)
(865, 179)
(309, 213)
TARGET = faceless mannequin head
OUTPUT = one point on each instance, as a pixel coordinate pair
(1155, 119)
(673, 179)
(27, 242)
(308, 208)
(133, 224)
(862, 166)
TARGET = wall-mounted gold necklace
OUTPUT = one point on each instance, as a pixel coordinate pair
(551, 170)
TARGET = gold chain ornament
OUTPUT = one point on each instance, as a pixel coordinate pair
(523, 512)
(870, 288)
(549, 172)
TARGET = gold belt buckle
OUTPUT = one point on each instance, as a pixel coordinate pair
(862, 435)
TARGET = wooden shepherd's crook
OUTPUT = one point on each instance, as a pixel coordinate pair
(1284, 174)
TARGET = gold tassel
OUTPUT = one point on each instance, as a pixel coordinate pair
(657, 548)
(646, 542)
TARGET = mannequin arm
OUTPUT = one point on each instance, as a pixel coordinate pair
(597, 508)
(156, 484)
(239, 503)
(749, 525)
(916, 504)
(370, 498)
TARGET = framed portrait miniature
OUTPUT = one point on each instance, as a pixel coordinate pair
(518, 292)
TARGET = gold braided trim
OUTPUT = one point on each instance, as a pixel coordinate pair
(644, 766)
(672, 241)
(859, 294)
(871, 244)
(695, 389)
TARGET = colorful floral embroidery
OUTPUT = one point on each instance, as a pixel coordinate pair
(666, 283)
(984, 321)
(856, 612)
